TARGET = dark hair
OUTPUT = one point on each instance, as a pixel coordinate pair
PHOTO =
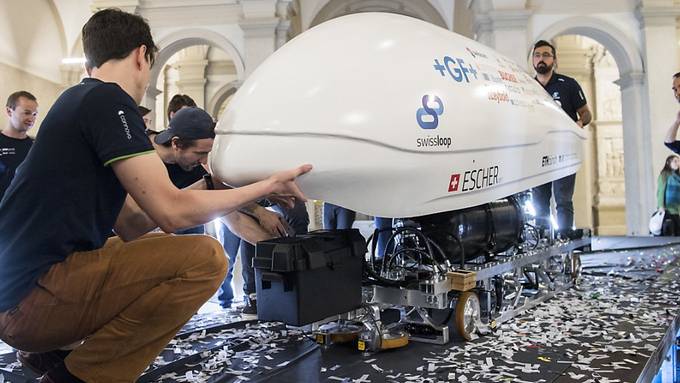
(143, 110)
(543, 43)
(182, 143)
(112, 34)
(677, 75)
(14, 98)
(179, 101)
(667, 170)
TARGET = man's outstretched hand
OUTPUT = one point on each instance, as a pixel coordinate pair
(284, 190)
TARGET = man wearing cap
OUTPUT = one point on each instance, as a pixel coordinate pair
(184, 149)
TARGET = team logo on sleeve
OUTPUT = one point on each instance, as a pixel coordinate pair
(126, 128)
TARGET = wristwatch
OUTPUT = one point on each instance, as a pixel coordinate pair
(208, 182)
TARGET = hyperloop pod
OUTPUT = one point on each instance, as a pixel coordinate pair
(399, 118)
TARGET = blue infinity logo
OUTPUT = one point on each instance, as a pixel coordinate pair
(434, 113)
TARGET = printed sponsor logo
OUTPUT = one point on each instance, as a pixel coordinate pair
(428, 118)
(548, 161)
(474, 179)
(456, 68)
(433, 121)
(433, 141)
(7, 151)
(553, 159)
(126, 128)
(508, 76)
(499, 96)
(475, 53)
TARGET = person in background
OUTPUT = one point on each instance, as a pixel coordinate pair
(178, 102)
(337, 217)
(146, 117)
(22, 110)
(668, 196)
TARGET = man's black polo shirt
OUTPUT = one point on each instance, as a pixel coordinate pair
(65, 196)
(566, 92)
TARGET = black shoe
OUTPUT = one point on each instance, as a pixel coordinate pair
(60, 374)
(250, 308)
(41, 362)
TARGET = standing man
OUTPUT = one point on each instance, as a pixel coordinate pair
(337, 217)
(671, 141)
(568, 94)
(22, 109)
(91, 168)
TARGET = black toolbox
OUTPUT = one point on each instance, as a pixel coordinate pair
(304, 279)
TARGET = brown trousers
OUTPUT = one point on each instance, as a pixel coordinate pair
(127, 300)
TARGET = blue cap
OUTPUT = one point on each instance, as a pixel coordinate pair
(188, 124)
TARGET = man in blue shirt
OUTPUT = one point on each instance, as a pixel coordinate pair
(92, 169)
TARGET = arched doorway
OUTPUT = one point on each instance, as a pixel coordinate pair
(201, 72)
(180, 40)
(221, 98)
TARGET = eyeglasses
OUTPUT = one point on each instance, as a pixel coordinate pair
(545, 55)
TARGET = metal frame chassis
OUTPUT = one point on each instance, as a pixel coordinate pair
(434, 294)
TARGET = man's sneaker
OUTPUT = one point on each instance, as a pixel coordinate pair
(59, 374)
(251, 306)
(41, 362)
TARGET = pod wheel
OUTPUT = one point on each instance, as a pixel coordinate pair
(467, 314)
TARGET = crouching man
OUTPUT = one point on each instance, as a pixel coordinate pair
(61, 280)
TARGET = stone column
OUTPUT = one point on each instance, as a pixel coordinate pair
(637, 149)
(658, 23)
(285, 10)
(511, 34)
(502, 25)
(191, 67)
(575, 62)
(259, 41)
(259, 25)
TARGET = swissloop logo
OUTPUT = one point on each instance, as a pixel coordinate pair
(432, 121)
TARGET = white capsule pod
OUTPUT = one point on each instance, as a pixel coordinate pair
(399, 118)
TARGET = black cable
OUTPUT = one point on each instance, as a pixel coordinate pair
(427, 241)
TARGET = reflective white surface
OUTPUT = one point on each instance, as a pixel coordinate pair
(399, 118)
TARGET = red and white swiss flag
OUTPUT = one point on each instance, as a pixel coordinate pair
(455, 181)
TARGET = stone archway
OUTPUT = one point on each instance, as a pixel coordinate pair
(179, 40)
(215, 103)
(634, 99)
